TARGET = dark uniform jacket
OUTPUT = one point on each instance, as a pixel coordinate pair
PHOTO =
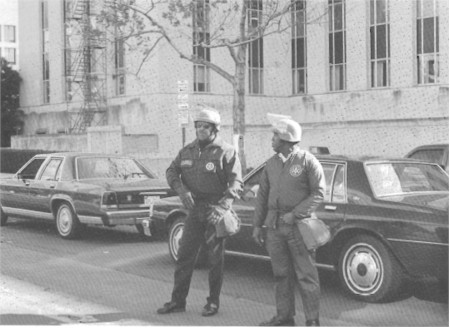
(209, 174)
(296, 186)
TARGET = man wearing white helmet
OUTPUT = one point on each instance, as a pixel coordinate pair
(292, 185)
(207, 176)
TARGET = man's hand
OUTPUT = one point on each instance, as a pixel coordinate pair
(257, 236)
(288, 218)
(187, 200)
(216, 215)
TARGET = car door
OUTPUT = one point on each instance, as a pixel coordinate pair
(43, 187)
(332, 209)
(15, 192)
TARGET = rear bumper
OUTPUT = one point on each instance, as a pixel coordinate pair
(117, 218)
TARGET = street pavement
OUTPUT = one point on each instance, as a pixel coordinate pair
(23, 303)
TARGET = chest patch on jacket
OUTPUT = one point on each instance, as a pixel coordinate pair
(295, 170)
(186, 163)
(209, 166)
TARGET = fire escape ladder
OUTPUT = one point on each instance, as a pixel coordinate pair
(86, 65)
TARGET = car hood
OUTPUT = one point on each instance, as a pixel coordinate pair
(133, 185)
(438, 201)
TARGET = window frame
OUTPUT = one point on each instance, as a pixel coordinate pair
(380, 67)
(201, 34)
(423, 59)
(255, 49)
(7, 31)
(333, 32)
(299, 37)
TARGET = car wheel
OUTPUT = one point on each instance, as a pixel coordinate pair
(67, 222)
(175, 234)
(3, 218)
(368, 271)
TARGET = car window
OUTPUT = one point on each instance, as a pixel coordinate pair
(335, 182)
(339, 185)
(400, 178)
(30, 171)
(110, 167)
(328, 170)
(52, 169)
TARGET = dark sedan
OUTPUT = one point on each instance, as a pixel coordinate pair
(388, 218)
(75, 189)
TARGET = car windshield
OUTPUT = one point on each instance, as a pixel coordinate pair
(395, 178)
(111, 167)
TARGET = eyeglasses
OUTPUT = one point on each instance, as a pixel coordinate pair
(199, 125)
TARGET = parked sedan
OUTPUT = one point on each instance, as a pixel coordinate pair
(388, 219)
(75, 189)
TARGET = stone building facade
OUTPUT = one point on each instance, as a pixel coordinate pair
(365, 90)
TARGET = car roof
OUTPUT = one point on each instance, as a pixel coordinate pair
(429, 146)
(81, 154)
(363, 158)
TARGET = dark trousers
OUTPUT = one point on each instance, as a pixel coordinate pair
(196, 231)
(290, 260)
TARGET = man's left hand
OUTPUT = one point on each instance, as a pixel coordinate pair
(288, 218)
(216, 215)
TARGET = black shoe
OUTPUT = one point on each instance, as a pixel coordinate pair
(277, 321)
(171, 307)
(311, 323)
(210, 309)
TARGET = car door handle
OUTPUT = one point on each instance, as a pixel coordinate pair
(52, 186)
(330, 207)
(27, 183)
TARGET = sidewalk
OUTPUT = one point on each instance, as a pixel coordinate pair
(23, 303)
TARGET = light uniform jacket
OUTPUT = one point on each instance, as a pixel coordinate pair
(296, 186)
(206, 173)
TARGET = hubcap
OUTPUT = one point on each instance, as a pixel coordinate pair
(65, 220)
(176, 237)
(363, 269)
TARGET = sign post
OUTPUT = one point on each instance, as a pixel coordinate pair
(183, 108)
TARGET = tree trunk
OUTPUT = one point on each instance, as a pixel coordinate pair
(239, 112)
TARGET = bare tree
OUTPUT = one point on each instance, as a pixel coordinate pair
(230, 24)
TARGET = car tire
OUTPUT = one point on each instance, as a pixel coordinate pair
(3, 218)
(175, 234)
(67, 222)
(368, 271)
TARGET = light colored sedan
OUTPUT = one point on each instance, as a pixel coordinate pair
(76, 189)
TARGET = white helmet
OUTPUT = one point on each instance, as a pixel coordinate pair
(209, 115)
(288, 130)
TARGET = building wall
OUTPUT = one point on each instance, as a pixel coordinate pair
(9, 16)
(360, 120)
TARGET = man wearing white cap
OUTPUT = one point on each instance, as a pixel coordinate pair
(292, 185)
(207, 176)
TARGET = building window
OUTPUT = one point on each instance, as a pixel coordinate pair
(379, 43)
(200, 38)
(0, 34)
(10, 55)
(255, 48)
(336, 41)
(10, 33)
(298, 46)
(119, 63)
(45, 54)
(427, 42)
